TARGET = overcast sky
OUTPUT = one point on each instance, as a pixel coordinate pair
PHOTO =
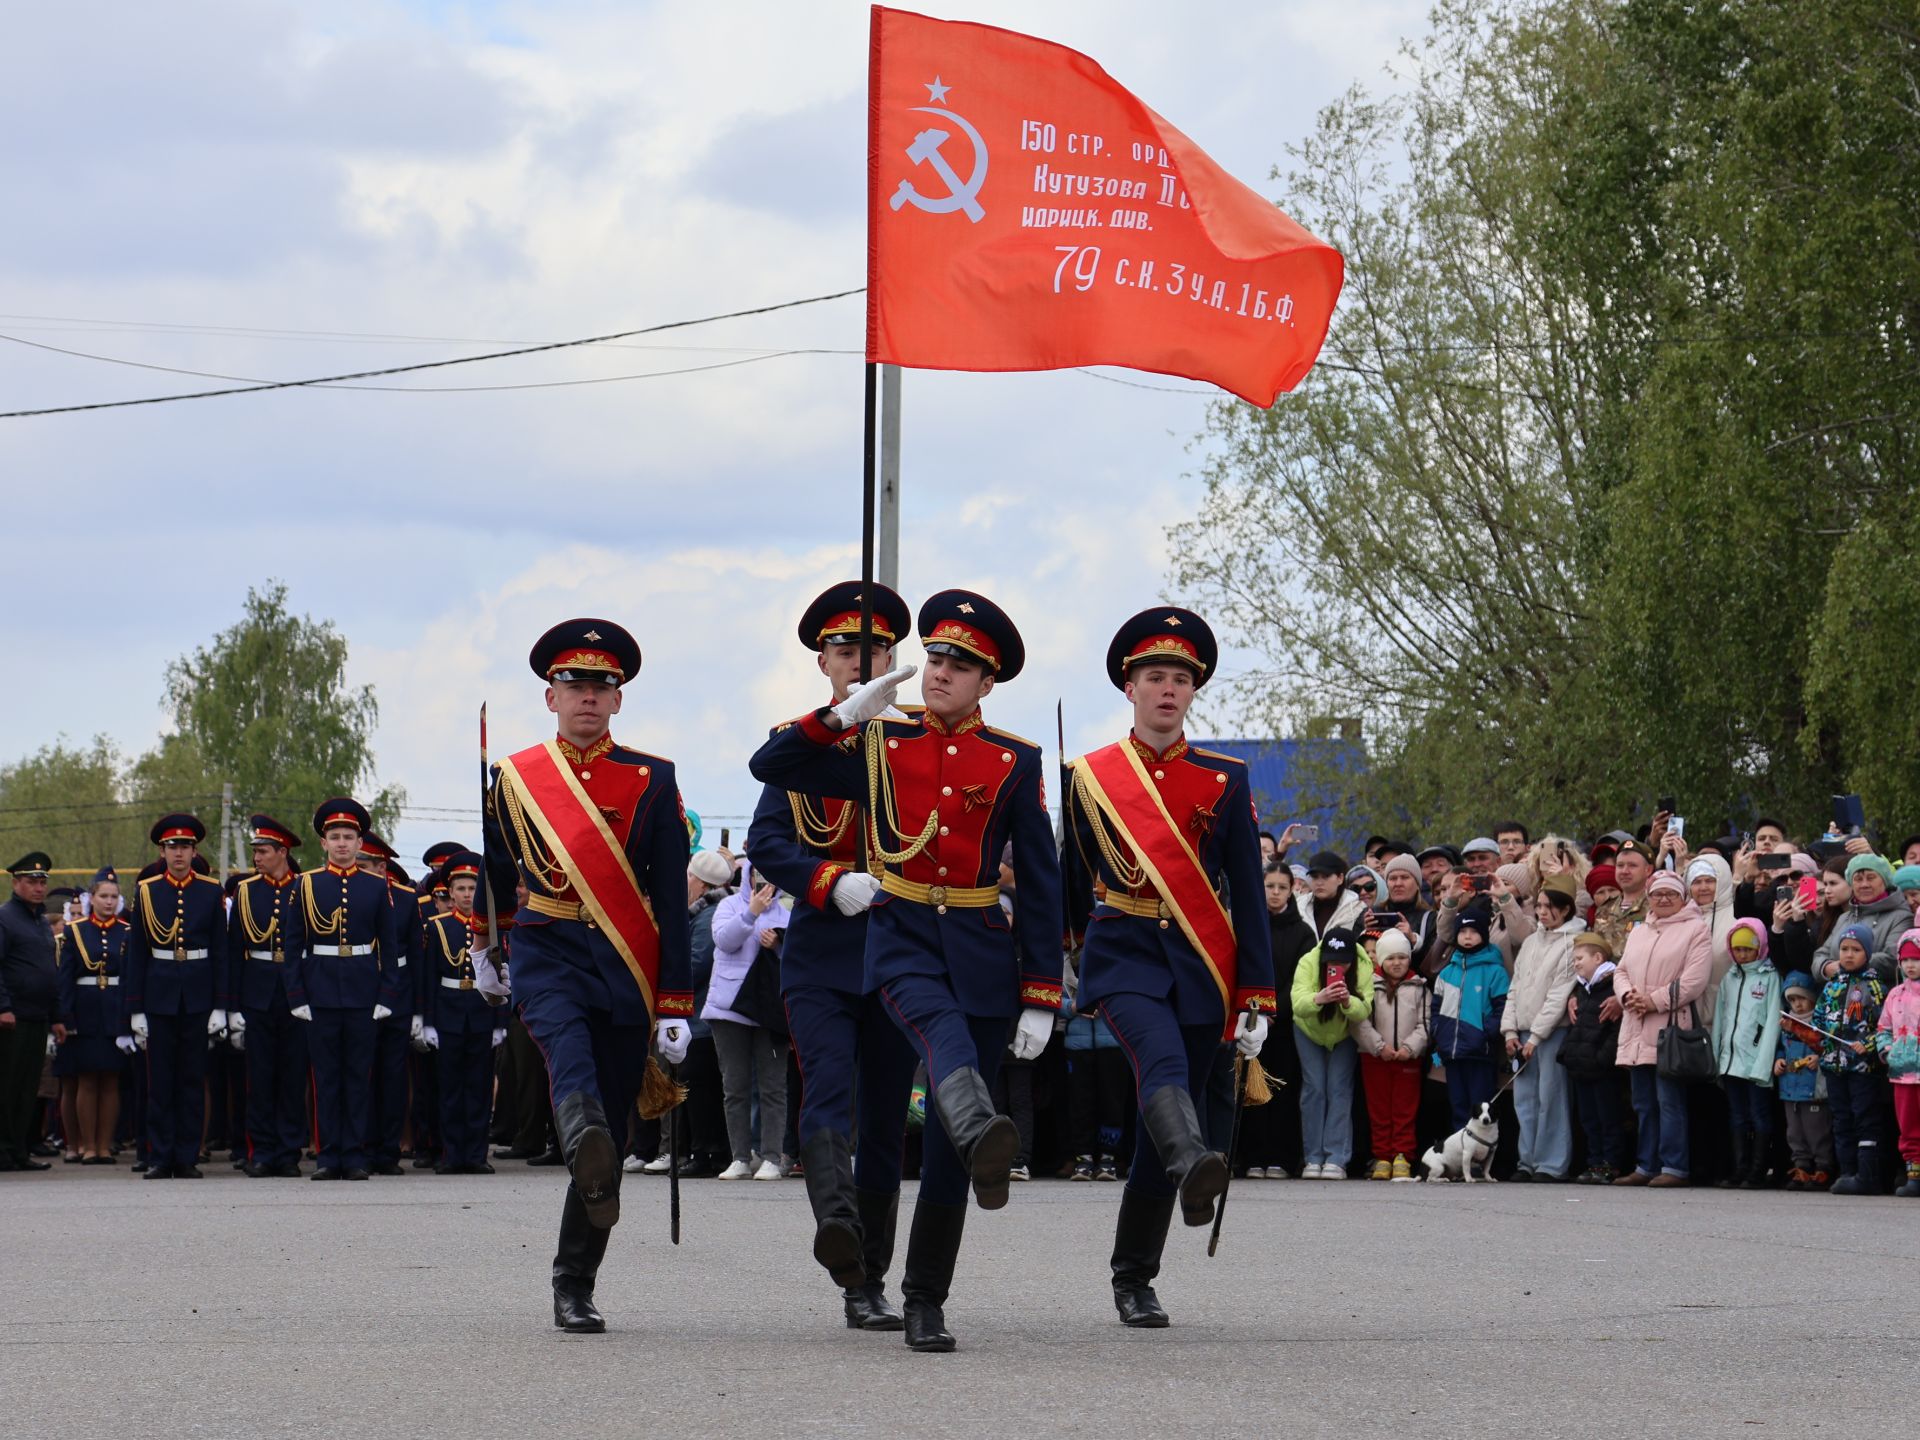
(180, 178)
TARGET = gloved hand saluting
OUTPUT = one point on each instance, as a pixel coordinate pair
(673, 1036)
(1030, 1036)
(854, 892)
(864, 702)
(1250, 1034)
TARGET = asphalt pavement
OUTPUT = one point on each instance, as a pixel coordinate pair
(420, 1306)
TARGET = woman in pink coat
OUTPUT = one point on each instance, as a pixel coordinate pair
(1671, 945)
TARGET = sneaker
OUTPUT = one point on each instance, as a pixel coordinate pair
(769, 1170)
(1818, 1180)
(1400, 1171)
(1910, 1190)
(1330, 1171)
(736, 1171)
(1019, 1172)
(1082, 1168)
(1106, 1171)
(633, 1165)
(1382, 1170)
(1278, 1172)
(659, 1165)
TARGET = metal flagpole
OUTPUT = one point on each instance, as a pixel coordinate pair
(866, 526)
(888, 564)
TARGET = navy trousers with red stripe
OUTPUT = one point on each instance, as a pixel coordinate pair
(849, 1054)
(946, 1039)
(1162, 1052)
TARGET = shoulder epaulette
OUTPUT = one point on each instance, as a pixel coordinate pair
(402, 886)
(627, 754)
(1216, 755)
(209, 879)
(151, 878)
(1009, 735)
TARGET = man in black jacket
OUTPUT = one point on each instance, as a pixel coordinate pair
(28, 991)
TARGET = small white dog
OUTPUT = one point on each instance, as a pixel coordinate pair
(1467, 1147)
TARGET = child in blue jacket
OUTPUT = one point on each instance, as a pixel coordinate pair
(1803, 1088)
(1468, 995)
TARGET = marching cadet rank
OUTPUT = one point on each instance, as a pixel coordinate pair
(392, 1035)
(597, 834)
(944, 794)
(343, 978)
(175, 1000)
(261, 1022)
(1156, 829)
(92, 964)
(815, 848)
(424, 1064)
(460, 1025)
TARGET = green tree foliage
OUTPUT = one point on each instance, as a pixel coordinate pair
(1599, 489)
(267, 705)
(67, 800)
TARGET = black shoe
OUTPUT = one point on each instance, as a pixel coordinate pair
(325, 1172)
(286, 1170)
(140, 1167)
(573, 1309)
(422, 1161)
(1139, 1237)
(867, 1307)
(31, 1164)
(446, 1167)
(591, 1156)
(512, 1152)
(98, 1160)
(1201, 1174)
(387, 1167)
(550, 1156)
(986, 1142)
(483, 1168)
(44, 1151)
(933, 1245)
(188, 1172)
(828, 1161)
(158, 1172)
(356, 1173)
(1520, 1177)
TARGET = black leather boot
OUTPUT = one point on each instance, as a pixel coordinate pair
(1737, 1167)
(867, 1306)
(932, 1247)
(576, 1262)
(1138, 1238)
(1174, 1128)
(1754, 1177)
(591, 1156)
(828, 1161)
(987, 1142)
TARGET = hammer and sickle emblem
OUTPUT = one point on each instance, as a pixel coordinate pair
(925, 150)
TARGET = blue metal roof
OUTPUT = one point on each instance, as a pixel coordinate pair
(1291, 781)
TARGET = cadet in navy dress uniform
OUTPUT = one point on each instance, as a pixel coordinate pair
(461, 1026)
(343, 978)
(597, 834)
(261, 1019)
(392, 1035)
(848, 1050)
(176, 994)
(1156, 829)
(945, 794)
(422, 1064)
(92, 972)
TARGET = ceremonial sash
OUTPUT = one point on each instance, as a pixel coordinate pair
(581, 841)
(1117, 780)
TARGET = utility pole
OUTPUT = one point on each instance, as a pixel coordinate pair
(887, 567)
(226, 831)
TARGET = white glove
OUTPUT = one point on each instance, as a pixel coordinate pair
(217, 1025)
(236, 1026)
(302, 1012)
(417, 1033)
(381, 1012)
(854, 892)
(865, 702)
(486, 979)
(1251, 1034)
(1030, 1036)
(53, 1046)
(124, 1044)
(138, 1025)
(431, 1035)
(499, 1037)
(673, 1037)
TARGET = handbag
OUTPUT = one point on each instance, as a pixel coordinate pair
(759, 997)
(1684, 1052)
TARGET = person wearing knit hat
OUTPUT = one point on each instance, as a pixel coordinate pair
(1746, 1041)
(1899, 1044)
(1666, 882)
(1803, 1089)
(1369, 885)
(1849, 1013)
(1872, 902)
(1405, 898)
(1468, 996)
(1392, 1040)
(1906, 879)
(1480, 855)
(1518, 879)
(1666, 966)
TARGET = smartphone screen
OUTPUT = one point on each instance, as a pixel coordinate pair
(1336, 975)
(1809, 892)
(1776, 862)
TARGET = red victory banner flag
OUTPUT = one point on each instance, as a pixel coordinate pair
(1025, 212)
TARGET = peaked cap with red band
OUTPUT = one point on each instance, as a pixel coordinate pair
(959, 622)
(341, 810)
(177, 827)
(1167, 635)
(834, 616)
(586, 650)
(265, 830)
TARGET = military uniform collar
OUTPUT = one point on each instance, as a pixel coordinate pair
(333, 869)
(167, 875)
(286, 879)
(1147, 752)
(934, 723)
(577, 756)
(99, 924)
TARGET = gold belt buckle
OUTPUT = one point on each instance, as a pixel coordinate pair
(937, 894)
(279, 956)
(1163, 912)
(465, 983)
(179, 954)
(101, 981)
(346, 950)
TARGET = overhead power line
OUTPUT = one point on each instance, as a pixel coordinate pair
(338, 381)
